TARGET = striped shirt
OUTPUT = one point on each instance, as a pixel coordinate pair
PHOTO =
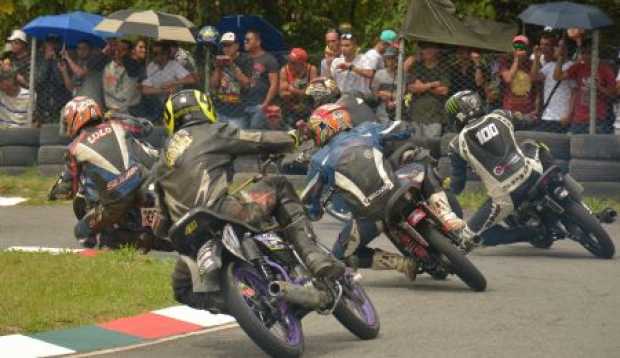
(14, 110)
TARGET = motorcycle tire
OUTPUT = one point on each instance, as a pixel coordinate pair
(348, 313)
(248, 320)
(578, 215)
(459, 263)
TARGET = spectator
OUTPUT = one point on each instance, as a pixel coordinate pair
(384, 85)
(430, 86)
(295, 76)
(617, 106)
(580, 73)
(14, 100)
(518, 88)
(20, 56)
(230, 78)
(332, 51)
(139, 54)
(163, 78)
(51, 93)
(185, 59)
(546, 37)
(263, 82)
(120, 78)
(557, 104)
(351, 71)
(374, 56)
(85, 77)
(467, 73)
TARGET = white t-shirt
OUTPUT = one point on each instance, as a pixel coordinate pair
(14, 110)
(374, 59)
(559, 106)
(157, 76)
(349, 81)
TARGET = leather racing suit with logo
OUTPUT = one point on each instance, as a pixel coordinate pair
(489, 146)
(195, 170)
(107, 163)
(354, 165)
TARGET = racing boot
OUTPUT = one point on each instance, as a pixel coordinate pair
(300, 234)
(440, 206)
(382, 260)
(468, 240)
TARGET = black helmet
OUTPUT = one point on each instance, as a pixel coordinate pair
(187, 107)
(464, 106)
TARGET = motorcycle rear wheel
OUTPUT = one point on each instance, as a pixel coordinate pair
(244, 288)
(597, 241)
(459, 263)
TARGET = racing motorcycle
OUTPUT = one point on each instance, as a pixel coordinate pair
(264, 283)
(555, 210)
(412, 227)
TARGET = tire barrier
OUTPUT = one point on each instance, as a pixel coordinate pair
(25, 137)
(52, 154)
(50, 135)
(598, 147)
(558, 143)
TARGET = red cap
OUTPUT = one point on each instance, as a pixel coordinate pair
(298, 55)
(521, 39)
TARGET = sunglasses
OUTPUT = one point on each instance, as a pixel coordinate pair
(346, 36)
(247, 39)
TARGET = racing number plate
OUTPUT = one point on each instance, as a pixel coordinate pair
(150, 217)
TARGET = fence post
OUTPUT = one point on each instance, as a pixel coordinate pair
(593, 81)
(207, 69)
(33, 63)
(399, 79)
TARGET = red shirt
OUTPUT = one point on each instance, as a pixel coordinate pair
(580, 73)
(519, 94)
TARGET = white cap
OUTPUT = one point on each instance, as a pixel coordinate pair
(228, 37)
(18, 35)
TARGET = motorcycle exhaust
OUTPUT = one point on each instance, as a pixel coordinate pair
(305, 296)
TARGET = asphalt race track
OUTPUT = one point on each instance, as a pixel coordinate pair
(539, 303)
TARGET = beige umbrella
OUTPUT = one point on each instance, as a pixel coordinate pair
(154, 24)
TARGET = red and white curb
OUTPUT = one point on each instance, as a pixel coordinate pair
(149, 328)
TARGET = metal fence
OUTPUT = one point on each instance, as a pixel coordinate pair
(238, 95)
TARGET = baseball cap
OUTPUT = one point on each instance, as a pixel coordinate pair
(390, 52)
(388, 36)
(521, 39)
(18, 35)
(298, 55)
(228, 37)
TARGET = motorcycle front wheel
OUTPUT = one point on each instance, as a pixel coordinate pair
(459, 263)
(276, 330)
(590, 233)
(355, 311)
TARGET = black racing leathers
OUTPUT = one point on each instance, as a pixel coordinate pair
(489, 146)
(195, 168)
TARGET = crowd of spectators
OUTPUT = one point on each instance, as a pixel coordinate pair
(252, 88)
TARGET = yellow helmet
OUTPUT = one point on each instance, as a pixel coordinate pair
(187, 107)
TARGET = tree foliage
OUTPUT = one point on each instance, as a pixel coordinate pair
(302, 21)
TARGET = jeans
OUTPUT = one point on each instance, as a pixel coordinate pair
(257, 118)
(240, 122)
(584, 128)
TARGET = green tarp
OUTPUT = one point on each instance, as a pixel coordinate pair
(434, 21)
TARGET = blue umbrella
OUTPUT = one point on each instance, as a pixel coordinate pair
(564, 15)
(71, 28)
(272, 38)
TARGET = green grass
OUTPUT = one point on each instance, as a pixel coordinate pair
(29, 185)
(43, 292)
(472, 200)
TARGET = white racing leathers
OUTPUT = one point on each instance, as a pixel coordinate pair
(489, 146)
